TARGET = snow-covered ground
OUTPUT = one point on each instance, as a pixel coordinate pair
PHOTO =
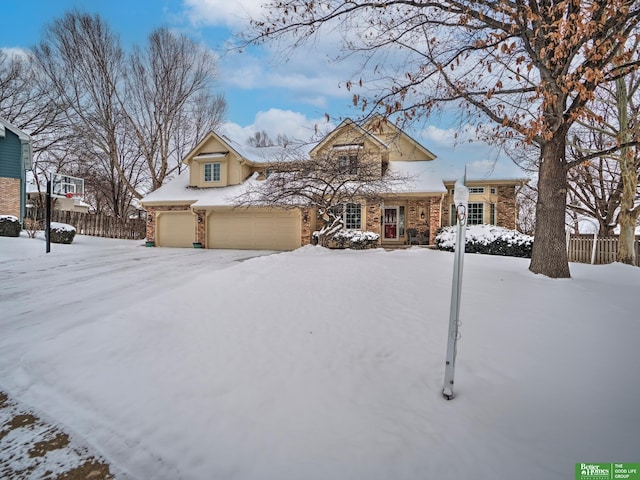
(317, 364)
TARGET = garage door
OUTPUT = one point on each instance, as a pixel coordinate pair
(254, 229)
(175, 229)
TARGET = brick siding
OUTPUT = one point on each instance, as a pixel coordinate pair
(10, 196)
(506, 209)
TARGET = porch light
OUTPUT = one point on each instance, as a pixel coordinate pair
(422, 214)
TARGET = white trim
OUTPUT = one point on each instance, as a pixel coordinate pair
(213, 173)
(354, 146)
(344, 218)
(204, 156)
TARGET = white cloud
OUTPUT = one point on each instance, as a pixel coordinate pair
(274, 121)
(450, 136)
(308, 72)
(233, 14)
(311, 78)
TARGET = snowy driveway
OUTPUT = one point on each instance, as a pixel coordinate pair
(92, 278)
(317, 364)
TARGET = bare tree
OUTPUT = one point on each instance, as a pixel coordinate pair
(83, 59)
(595, 186)
(529, 67)
(260, 139)
(628, 107)
(130, 120)
(27, 101)
(168, 103)
(605, 185)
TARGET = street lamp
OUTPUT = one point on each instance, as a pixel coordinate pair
(461, 200)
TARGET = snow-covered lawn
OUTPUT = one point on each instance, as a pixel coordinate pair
(317, 364)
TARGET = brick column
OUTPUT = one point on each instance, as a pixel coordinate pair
(373, 218)
(201, 227)
(305, 226)
(506, 207)
(435, 216)
(151, 224)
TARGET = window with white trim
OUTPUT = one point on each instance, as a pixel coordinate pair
(353, 216)
(492, 214)
(475, 214)
(493, 190)
(212, 172)
(476, 190)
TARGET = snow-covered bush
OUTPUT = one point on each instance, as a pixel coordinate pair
(355, 239)
(487, 239)
(62, 233)
(9, 226)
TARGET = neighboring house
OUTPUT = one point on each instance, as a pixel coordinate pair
(15, 160)
(37, 198)
(198, 206)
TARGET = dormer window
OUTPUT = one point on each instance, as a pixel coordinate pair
(212, 172)
(348, 164)
(347, 156)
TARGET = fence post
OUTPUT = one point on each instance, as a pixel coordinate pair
(594, 248)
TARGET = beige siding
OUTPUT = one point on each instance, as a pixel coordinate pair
(254, 229)
(403, 149)
(175, 229)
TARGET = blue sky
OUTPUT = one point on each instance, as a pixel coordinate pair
(263, 91)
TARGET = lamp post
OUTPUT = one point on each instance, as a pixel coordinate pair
(461, 200)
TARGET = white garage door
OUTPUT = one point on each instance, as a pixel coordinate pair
(175, 229)
(254, 229)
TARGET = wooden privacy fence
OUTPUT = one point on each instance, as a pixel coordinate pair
(580, 249)
(102, 225)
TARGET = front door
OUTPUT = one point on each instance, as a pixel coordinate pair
(391, 220)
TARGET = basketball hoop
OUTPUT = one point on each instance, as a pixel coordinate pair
(69, 195)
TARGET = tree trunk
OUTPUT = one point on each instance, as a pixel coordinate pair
(549, 253)
(629, 173)
(627, 239)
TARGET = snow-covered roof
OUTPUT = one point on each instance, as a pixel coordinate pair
(5, 125)
(424, 178)
(178, 190)
(274, 153)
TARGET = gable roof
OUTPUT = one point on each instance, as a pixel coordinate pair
(398, 131)
(339, 129)
(247, 153)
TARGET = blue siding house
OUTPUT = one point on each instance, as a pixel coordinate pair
(15, 159)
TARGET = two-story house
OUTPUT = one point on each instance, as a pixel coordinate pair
(199, 206)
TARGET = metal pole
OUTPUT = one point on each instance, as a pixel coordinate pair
(47, 227)
(461, 199)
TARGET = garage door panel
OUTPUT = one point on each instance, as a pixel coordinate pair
(175, 229)
(254, 229)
